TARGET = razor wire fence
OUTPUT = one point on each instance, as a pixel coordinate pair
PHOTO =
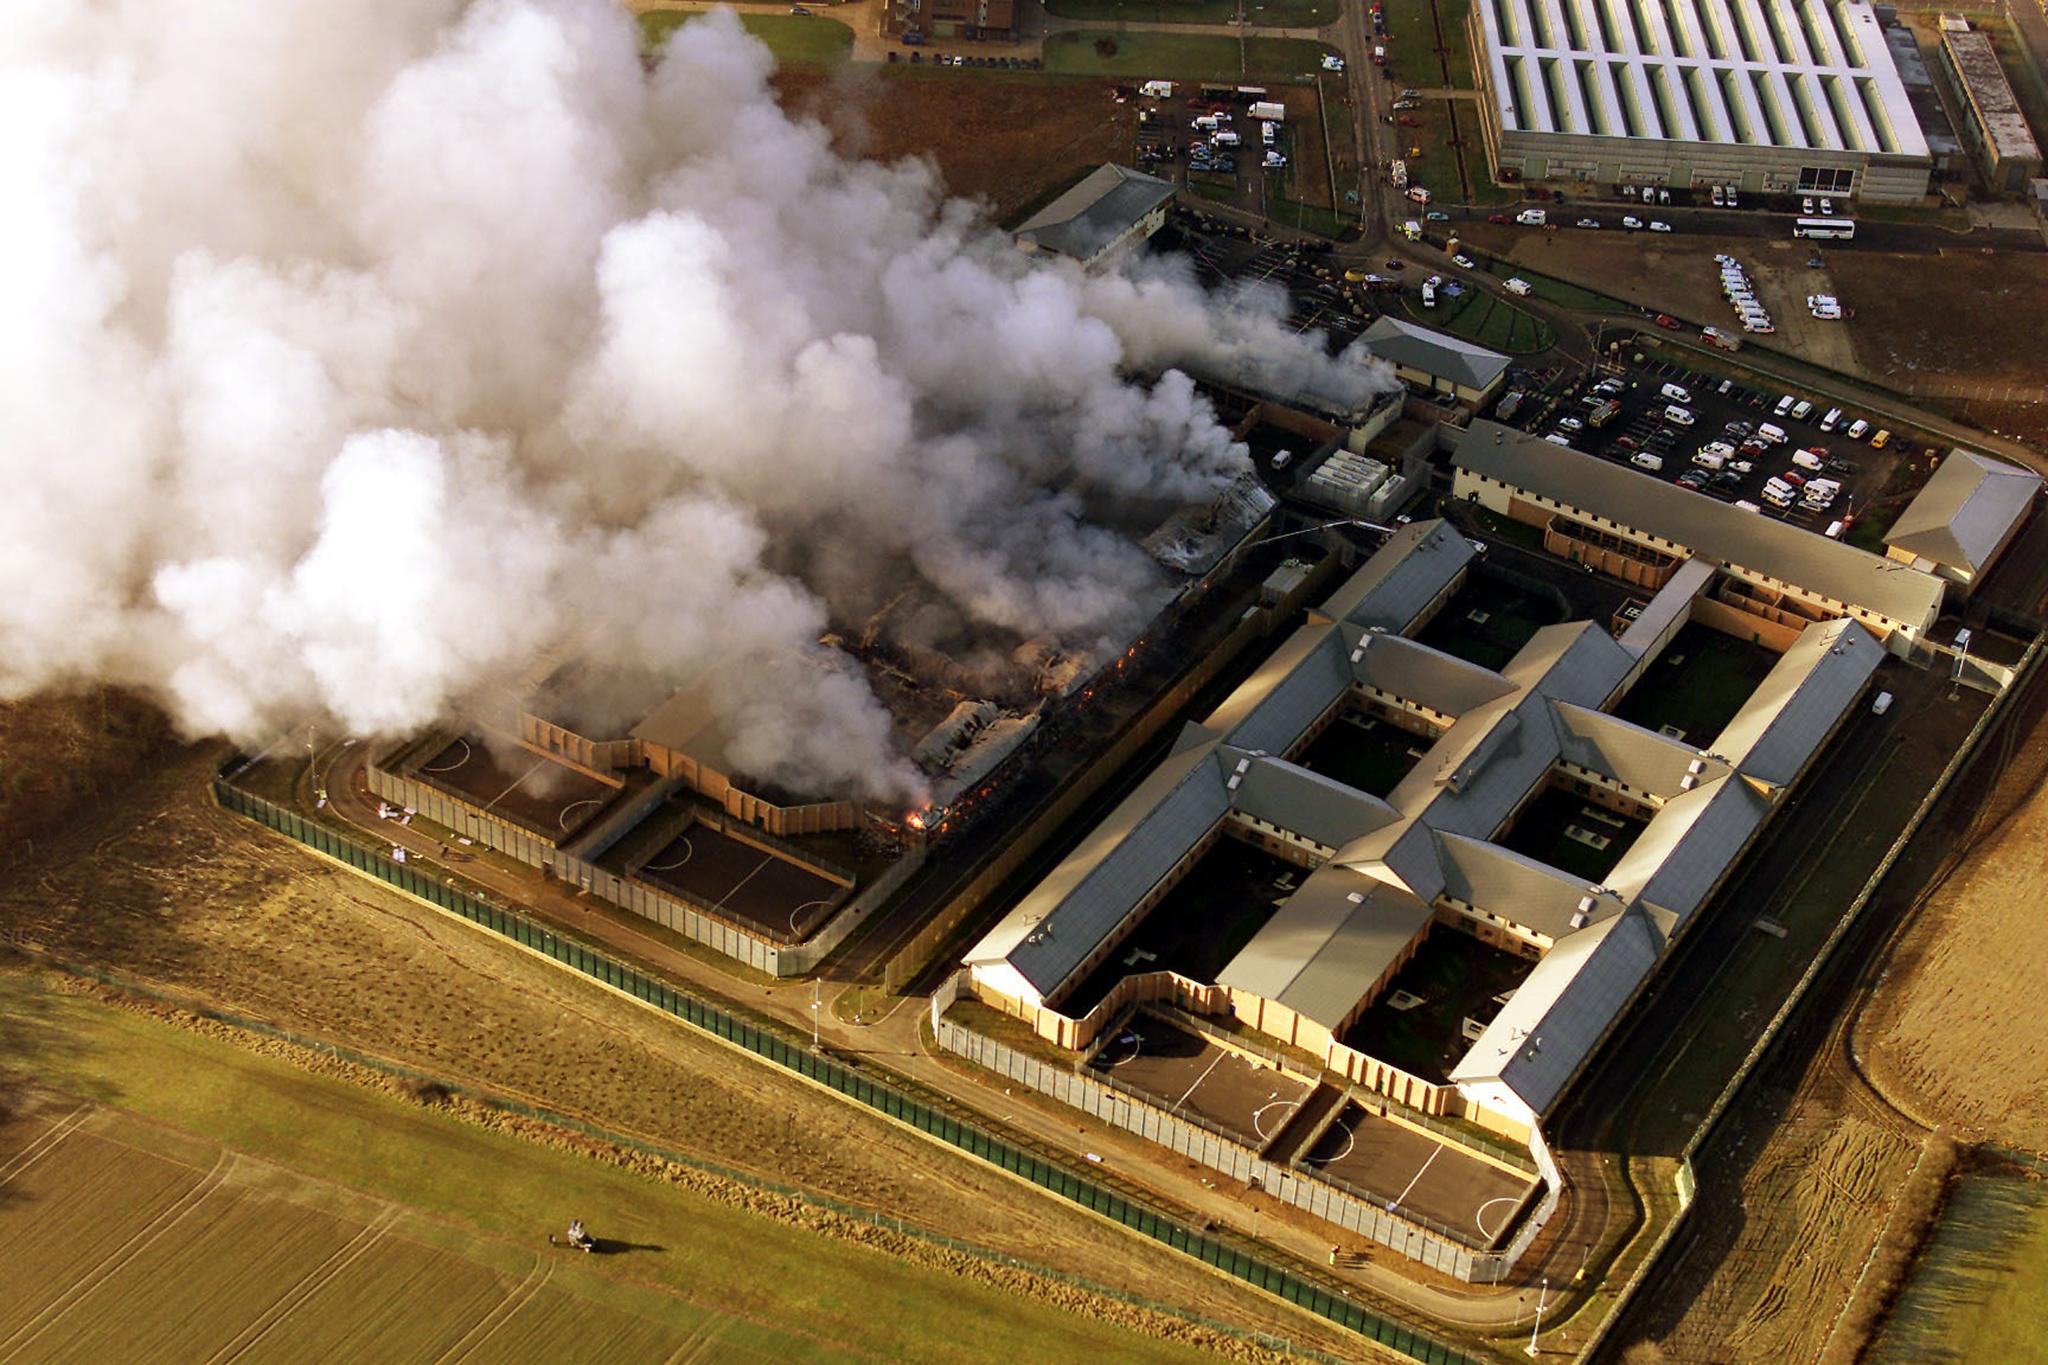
(882, 1097)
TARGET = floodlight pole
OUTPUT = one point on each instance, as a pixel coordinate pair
(1542, 1294)
(814, 1014)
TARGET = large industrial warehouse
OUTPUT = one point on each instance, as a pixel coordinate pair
(1760, 95)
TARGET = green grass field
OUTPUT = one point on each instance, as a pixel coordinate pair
(784, 1292)
(1276, 13)
(1412, 40)
(1479, 316)
(1975, 1293)
(794, 39)
(1188, 56)
(1558, 292)
(1311, 217)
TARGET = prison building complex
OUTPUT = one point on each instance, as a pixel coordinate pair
(1772, 579)
(1384, 874)
(1962, 521)
(1763, 95)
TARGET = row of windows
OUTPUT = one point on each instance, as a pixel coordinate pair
(1843, 608)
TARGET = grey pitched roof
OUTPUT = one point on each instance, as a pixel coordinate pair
(1417, 562)
(1088, 217)
(1420, 674)
(1403, 854)
(1573, 661)
(1640, 759)
(1963, 514)
(1479, 770)
(1062, 919)
(1798, 702)
(1302, 802)
(1689, 845)
(1555, 1019)
(1281, 711)
(1670, 601)
(1703, 525)
(1326, 946)
(1433, 352)
(1532, 894)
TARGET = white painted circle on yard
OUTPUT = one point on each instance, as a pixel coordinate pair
(451, 767)
(688, 849)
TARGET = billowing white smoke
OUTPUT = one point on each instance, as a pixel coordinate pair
(354, 356)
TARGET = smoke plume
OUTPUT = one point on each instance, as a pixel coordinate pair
(357, 356)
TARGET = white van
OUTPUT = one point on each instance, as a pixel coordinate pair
(1784, 405)
(1858, 429)
(1517, 286)
(1746, 505)
(1676, 393)
(1834, 531)
(1771, 435)
(1677, 416)
(1532, 217)
(1832, 420)
(1806, 459)
(1643, 459)
(1708, 459)
(1802, 410)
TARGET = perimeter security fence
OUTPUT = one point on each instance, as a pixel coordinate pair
(886, 1099)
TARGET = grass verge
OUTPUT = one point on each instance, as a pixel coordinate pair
(1273, 13)
(1189, 56)
(794, 39)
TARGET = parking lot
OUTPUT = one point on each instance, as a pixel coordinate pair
(1728, 410)
(1178, 139)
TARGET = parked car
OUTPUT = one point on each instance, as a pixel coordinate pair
(1656, 226)
(1588, 222)
(1667, 321)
